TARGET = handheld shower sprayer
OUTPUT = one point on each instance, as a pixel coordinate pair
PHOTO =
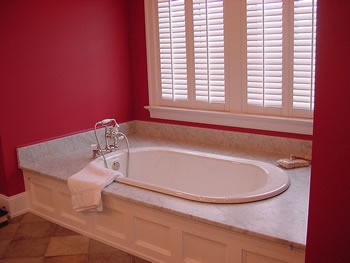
(107, 121)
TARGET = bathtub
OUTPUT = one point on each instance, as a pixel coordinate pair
(198, 176)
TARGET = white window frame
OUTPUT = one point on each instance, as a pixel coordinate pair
(235, 112)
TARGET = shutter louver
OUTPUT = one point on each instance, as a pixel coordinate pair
(172, 48)
(304, 54)
(208, 31)
(264, 53)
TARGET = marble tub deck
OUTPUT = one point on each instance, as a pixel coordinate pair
(281, 219)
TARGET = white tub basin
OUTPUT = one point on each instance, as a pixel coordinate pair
(199, 176)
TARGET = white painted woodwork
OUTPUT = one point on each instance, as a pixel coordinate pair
(150, 233)
(267, 123)
(15, 205)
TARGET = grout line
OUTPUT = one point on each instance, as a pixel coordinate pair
(51, 235)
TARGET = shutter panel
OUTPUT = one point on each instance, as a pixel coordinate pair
(208, 31)
(304, 54)
(264, 53)
(172, 48)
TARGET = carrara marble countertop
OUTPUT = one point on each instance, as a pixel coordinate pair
(281, 219)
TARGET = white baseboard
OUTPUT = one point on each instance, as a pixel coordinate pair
(16, 204)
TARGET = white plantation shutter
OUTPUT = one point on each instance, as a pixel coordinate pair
(208, 31)
(267, 41)
(172, 49)
(304, 54)
(232, 62)
(264, 53)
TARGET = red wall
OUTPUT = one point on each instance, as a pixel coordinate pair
(138, 59)
(328, 238)
(3, 184)
(64, 65)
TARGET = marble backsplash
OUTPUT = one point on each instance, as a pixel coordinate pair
(64, 145)
(229, 140)
(237, 141)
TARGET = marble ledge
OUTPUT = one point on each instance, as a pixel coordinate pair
(65, 145)
(282, 219)
(230, 139)
(176, 134)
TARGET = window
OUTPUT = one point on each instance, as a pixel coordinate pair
(191, 68)
(245, 63)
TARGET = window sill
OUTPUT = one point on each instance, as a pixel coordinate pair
(268, 123)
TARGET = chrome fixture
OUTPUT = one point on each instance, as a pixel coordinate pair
(112, 138)
(115, 165)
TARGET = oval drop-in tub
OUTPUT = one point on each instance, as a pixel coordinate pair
(199, 176)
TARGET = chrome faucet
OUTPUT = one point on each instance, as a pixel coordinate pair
(112, 137)
(111, 130)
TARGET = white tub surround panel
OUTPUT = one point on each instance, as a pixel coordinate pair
(152, 233)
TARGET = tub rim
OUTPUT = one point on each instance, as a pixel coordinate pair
(232, 199)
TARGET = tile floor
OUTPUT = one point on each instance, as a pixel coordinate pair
(32, 239)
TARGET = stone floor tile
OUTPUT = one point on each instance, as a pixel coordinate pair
(22, 260)
(116, 257)
(27, 248)
(98, 247)
(34, 230)
(16, 220)
(29, 217)
(139, 260)
(3, 246)
(62, 231)
(67, 245)
(69, 259)
(9, 231)
(28, 238)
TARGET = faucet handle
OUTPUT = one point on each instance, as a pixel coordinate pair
(95, 150)
(93, 147)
